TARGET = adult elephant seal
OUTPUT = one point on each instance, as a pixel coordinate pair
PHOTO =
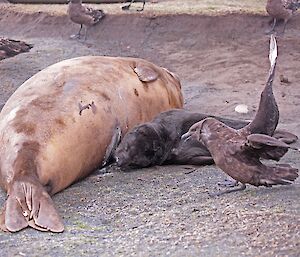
(62, 123)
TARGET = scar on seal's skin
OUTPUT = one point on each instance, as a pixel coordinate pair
(136, 92)
(87, 106)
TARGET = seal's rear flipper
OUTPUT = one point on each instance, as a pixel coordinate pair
(28, 204)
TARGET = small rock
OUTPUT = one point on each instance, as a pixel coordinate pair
(241, 108)
(284, 79)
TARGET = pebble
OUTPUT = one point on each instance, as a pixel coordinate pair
(241, 108)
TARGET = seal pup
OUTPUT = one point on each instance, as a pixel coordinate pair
(155, 142)
(159, 141)
(238, 152)
(281, 10)
(61, 124)
(127, 7)
(83, 15)
(10, 47)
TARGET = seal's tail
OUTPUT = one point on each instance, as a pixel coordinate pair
(28, 204)
(280, 174)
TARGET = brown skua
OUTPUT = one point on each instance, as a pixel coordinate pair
(281, 10)
(238, 152)
(83, 15)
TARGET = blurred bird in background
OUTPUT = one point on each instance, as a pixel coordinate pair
(83, 15)
(281, 10)
(127, 7)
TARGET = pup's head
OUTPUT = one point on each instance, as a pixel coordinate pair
(139, 148)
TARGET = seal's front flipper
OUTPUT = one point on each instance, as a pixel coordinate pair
(145, 73)
(115, 141)
(28, 204)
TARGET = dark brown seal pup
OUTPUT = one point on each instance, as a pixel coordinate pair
(159, 141)
(10, 47)
(281, 10)
(83, 15)
(238, 152)
(61, 124)
(155, 142)
(127, 7)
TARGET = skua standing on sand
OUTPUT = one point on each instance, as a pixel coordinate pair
(83, 15)
(238, 152)
(10, 47)
(281, 10)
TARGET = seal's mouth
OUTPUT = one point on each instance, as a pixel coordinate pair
(123, 163)
(127, 164)
(129, 167)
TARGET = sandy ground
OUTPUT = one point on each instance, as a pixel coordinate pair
(220, 52)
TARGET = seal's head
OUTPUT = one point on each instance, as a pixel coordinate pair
(141, 147)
